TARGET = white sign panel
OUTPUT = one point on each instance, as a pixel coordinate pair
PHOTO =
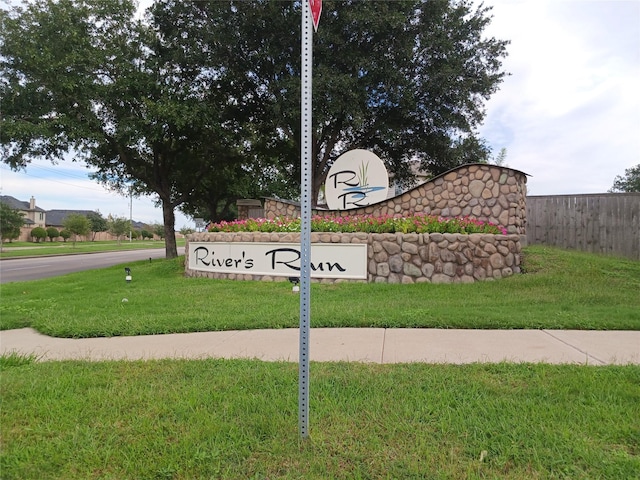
(328, 260)
(356, 179)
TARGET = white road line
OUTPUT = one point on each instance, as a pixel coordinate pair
(40, 265)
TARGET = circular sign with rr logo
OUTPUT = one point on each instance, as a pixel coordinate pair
(356, 179)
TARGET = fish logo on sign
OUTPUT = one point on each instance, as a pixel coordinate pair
(316, 10)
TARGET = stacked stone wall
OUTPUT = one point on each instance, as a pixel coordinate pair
(442, 258)
(398, 258)
(488, 193)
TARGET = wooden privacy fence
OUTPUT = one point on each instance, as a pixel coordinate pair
(599, 223)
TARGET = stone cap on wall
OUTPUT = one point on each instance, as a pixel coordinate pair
(479, 165)
(248, 202)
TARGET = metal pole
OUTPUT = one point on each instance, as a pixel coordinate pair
(305, 214)
(130, 213)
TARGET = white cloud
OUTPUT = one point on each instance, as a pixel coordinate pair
(569, 114)
(65, 186)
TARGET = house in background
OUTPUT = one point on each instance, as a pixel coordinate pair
(37, 217)
(56, 218)
(33, 216)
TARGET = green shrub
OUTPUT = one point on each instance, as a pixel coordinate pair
(38, 234)
(52, 233)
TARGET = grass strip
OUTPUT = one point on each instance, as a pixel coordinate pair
(237, 419)
(561, 290)
(29, 249)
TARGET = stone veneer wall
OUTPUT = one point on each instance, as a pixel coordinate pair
(486, 192)
(399, 258)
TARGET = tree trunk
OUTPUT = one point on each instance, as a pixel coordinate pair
(317, 182)
(169, 217)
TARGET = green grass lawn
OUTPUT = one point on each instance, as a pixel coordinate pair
(561, 290)
(28, 249)
(237, 419)
(184, 419)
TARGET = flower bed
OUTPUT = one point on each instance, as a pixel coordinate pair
(413, 249)
(416, 223)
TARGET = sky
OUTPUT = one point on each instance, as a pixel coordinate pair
(568, 114)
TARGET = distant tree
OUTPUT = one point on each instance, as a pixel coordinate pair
(146, 234)
(52, 233)
(118, 226)
(98, 224)
(38, 233)
(501, 158)
(186, 230)
(11, 220)
(630, 182)
(158, 229)
(76, 225)
(65, 235)
(135, 234)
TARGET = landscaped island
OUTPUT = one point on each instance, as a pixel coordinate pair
(462, 226)
(413, 249)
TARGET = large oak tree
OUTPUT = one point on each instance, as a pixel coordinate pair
(406, 79)
(84, 78)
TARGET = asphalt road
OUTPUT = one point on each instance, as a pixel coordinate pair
(34, 268)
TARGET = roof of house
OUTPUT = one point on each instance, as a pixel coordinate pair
(56, 217)
(139, 225)
(18, 204)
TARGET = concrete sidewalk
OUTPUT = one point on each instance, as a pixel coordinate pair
(377, 345)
